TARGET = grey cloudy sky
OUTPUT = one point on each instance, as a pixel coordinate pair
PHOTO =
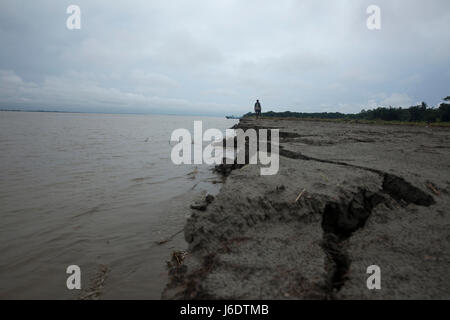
(217, 56)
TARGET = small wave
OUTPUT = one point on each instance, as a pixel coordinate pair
(140, 179)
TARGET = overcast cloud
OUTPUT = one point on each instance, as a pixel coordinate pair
(217, 56)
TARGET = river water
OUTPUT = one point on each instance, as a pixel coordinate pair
(94, 190)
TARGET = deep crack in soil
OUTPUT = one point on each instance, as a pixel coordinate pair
(341, 219)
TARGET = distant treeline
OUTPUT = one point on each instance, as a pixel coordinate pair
(421, 113)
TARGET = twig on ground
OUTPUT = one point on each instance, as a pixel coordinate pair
(300, 195)
(433, 188)
(323, 176)
(169, 238)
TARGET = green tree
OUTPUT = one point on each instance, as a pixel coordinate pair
(444, 112)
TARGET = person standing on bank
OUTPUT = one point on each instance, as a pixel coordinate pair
(257, 109)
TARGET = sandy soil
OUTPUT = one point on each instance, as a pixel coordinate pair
(372, 195)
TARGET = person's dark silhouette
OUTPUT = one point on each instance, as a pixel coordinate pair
(257, 109)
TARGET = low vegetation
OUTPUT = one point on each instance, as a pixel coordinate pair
(422, 114)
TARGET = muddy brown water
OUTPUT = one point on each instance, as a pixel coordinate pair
(92, 190)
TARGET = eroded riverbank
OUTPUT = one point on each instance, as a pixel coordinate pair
(346, 196)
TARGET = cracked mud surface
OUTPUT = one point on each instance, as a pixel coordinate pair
(371, 195)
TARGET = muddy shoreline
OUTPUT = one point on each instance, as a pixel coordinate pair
(347, 196)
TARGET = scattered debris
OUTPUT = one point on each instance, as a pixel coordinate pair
(94, 290)
(203, 204)
(200, 206)
(177, 258)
